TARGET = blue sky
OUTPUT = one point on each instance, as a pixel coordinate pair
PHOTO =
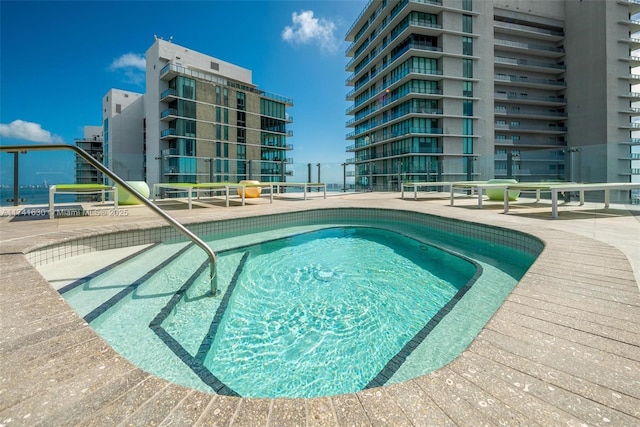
(60, 58)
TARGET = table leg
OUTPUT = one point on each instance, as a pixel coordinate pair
(52, 192)
(506, 200)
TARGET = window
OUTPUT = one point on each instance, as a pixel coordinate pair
(467, 127)
(467, 68)
(467, 25)
(466, 5)
(467, 145)
(118, 108)
(467, 46)
(467, 88)
(467, 107)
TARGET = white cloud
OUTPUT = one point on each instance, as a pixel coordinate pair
(133, 65)
(19, 129)
(308, 29)
(128, 61)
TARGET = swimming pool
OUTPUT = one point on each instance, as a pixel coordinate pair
(172, 293)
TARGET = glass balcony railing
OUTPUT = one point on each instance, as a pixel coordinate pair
(168, 132)
(168, 93)
(370, 168)
(168, 112)
(171, 67)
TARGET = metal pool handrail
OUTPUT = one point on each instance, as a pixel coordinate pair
(102, 168)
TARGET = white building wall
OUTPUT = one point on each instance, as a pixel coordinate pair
(125, 139)
(179, 55)
(93, 133)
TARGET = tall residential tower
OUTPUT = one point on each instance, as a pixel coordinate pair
(475, 89)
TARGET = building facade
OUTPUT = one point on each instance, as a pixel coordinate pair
(207, 122)
(472, 89)
(200, 120)
(93, 144)
(123, 133)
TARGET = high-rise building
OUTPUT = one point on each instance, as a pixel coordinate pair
(474, 89)
(93, 144)
(206, 121)
(200, 120)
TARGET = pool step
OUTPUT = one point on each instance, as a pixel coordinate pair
(93, 290)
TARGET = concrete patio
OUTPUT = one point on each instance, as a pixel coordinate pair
(564, 348)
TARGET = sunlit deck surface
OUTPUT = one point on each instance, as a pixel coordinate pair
(563, 349)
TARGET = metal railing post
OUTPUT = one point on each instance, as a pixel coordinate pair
(213, 279)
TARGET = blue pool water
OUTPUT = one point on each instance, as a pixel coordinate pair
(323, 312)
(303, 311)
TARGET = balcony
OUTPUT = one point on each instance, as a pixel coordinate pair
(171, 70)
(632, 126)
(525, 143)
(521, 81)
(540, 50)
(526, 64)
(634, 25)
(169, 133)
(539, 100)
(419, 23)
(531, 128)
(168, 95)
(530, 113)
(419, 131)
(169, 114)
(399, 77)
(634, 5)
(528, 31)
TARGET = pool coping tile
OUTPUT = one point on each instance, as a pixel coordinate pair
(526, 366)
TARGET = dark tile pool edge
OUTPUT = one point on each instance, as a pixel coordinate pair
(194, 363)
(399, 358)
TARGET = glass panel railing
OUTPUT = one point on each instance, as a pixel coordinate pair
(527, 159)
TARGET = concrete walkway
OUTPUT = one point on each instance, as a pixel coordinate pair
(564, 348)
